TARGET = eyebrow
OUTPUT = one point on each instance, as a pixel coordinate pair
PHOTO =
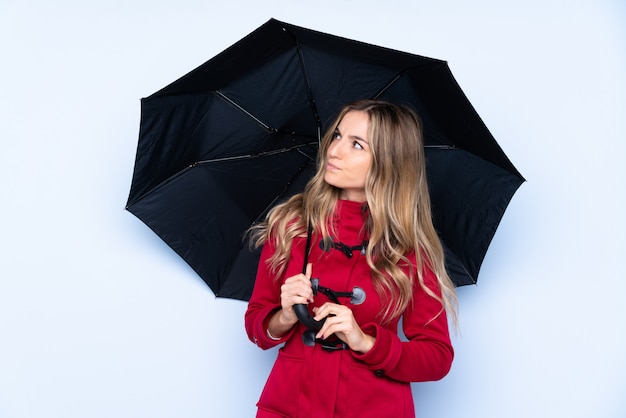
(355, 137)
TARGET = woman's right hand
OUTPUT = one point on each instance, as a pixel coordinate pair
(296, 290)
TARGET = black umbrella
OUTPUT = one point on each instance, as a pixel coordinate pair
(221, 145)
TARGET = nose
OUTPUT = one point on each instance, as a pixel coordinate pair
(334, 150)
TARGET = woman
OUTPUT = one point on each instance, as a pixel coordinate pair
(367, 215)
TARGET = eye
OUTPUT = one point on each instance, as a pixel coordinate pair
(357, 145)
(336, 134)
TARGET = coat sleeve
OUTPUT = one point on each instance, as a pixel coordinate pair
(264, 302)
(428, 353)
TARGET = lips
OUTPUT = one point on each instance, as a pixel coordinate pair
(331, 167)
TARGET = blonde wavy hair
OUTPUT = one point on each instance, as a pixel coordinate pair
(399, 219)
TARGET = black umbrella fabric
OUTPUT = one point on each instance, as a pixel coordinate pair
(224, 143)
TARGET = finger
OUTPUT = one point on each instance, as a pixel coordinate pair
(328, 309)
(296, 300)
(301, 288)
(322, 312)
(291, 294)
(309, 271)
(297, 295)
(305, 290)
(297, 284)
(323, 332)
(298, 278)
(332, 325)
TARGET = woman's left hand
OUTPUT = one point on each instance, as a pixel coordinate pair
(340, 321)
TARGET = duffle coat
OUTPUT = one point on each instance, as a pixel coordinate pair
(312, 382)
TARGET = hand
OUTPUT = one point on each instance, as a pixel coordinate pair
(340, 321)
(296, 289)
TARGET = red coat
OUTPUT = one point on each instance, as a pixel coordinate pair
(310, 382)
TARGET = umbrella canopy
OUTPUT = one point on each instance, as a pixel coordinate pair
(221, 145)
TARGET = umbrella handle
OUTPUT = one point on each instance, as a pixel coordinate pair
(301, 310)
(303, 314)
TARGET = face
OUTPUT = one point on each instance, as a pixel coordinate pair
(349, 156)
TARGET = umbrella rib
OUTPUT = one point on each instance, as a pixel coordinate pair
(279, 196)
(232, 102)
(260, 154)
(282, 150)
(452, 147)
(309, 91)
(389, 84)
(393, 80)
